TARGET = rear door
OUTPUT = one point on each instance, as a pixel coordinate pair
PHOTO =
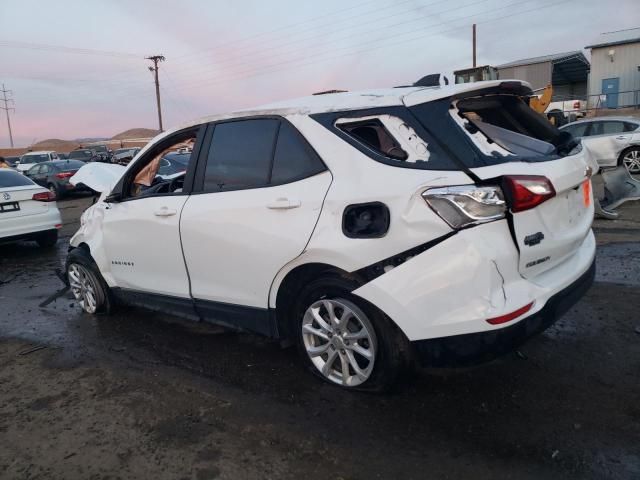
(605, 140)
(261, 188)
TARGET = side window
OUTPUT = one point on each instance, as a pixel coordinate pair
(578, 130)
(293, 158)
(240, 155)
(44, 170)
(630, 127)
(34, 170)
(374, 135)
(596, 129)
(611, 128)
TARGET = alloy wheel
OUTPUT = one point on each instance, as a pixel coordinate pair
(631, 160)
(83, 286)
(340, 341)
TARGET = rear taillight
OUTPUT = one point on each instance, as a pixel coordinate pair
(576, 105)
(63, 175)
(44, 197)
(525, 192)
(466, 205)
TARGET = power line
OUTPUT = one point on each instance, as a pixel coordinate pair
(6, 109)
(63, 49)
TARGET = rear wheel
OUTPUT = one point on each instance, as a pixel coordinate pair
(53, 189)
(48, 239)
(345, 340)
(86, 283)
(630, 158)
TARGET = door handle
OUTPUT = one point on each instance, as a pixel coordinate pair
(283, 204)
(621, 137)
(164, 212)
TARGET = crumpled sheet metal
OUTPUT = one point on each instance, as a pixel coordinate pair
(612, 187)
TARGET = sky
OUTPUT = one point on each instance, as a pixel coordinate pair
(77, 68)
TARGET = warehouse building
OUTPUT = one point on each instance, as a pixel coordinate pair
(615, 70)
(567, 72)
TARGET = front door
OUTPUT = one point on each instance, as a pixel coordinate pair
(260, 197)
(142, 228)
(610, 88)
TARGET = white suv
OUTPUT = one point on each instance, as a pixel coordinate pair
(28, 160)
(447, 224)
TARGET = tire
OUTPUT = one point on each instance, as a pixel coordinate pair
(385, 344)
(55, 190)
(86, 283)
(48, 239)
(630, 158)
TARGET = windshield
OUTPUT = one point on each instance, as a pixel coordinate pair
(69, 165)
(34, 159)
(81, 154)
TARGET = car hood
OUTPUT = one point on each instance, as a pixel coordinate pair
(100, 177)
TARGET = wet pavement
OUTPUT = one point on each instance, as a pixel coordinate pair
(143, 395)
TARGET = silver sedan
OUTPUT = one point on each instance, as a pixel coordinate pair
(611, 140)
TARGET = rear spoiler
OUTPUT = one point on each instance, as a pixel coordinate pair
(507, 87)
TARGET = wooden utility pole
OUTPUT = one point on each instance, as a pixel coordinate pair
(474, 45)
(6, 109)
(156, 59)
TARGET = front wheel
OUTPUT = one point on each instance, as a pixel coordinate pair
(630, 158)
(345, 340)
(85, 281)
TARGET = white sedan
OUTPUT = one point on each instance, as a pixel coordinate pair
(612, 141)
(27, 210)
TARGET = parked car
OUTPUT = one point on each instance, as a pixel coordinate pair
(84, 155)
(103, 152)
(55, 176)
(447, 224)
(564, 111)
(613, 141)
(27, 211)
(63, 156)
(12, 161)
(124, 155)
(29, 159)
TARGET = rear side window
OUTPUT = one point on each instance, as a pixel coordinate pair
(293, 157)
(630, 127)
(375, 136)
(240, 154)
(9, 178)
(578, 130)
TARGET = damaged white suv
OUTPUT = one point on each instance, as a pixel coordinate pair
(447, 224)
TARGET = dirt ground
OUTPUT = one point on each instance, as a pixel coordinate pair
(141, 395)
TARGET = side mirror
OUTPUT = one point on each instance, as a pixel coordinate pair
(113, 198)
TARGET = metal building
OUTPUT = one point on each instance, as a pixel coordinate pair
(615, 70)
(566, 72)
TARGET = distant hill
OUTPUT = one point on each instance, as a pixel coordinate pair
(55, 144)
(136, 133)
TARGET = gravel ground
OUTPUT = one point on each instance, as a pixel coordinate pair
(142, 395)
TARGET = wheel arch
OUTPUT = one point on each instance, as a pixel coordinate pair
(292, 283)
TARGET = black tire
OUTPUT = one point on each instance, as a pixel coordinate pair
(104, 299)
(392, 346)
(55, 190)
(47, 239)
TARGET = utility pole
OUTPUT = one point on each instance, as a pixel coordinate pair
(6, 109)
(155, 59)
(474, 45)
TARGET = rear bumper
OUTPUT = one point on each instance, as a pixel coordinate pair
(474, 348)
(29, 226)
